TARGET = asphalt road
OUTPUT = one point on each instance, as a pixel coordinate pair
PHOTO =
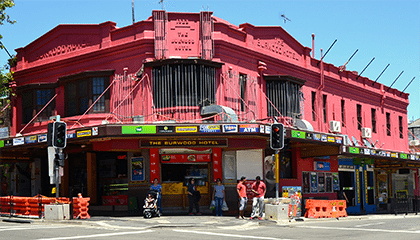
(389, 227)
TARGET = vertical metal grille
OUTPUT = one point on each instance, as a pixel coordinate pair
(206, 32)
(182, 85)
(285, 96)
(160, 21)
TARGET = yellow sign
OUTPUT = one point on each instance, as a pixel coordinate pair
(84, 133)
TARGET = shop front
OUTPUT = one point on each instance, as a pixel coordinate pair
(357, 184)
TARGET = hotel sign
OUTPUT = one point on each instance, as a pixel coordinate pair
(185, 143)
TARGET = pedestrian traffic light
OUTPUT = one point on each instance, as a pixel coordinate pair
(277, 136)
(59, 135)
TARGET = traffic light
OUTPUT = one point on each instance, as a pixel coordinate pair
(277, 136)
(59, 136)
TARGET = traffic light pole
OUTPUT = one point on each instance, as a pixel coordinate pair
(277, 175)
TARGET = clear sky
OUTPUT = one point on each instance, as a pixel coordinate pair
(388, 31)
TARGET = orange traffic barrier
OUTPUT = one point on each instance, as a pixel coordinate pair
(80, 207)
(325, 208)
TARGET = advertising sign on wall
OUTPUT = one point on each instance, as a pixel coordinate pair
(137, 169)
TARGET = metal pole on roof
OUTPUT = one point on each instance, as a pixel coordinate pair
(408, 85)
(327, 51)
(365, 67)
(132, 10)
(380, 74)
(395, 80)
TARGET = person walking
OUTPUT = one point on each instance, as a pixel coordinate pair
(158, 188)
(219, 196)
(193, 197)
(259, 188)
(243, 199)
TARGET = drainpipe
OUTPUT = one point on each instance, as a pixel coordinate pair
(319, 98)
(261, 67)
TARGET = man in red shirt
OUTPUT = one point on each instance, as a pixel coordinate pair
(243, 199)
(259, 188)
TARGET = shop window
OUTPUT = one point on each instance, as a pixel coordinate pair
(172, 172)
(83, 89)
(284, 94)
(183, 85)
(33, 100)
(286, 165)
(229, 166)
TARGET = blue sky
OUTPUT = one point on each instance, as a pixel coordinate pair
(388, 31)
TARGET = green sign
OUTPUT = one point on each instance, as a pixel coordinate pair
(2, 143)
(403, 155)
(298, 134)
(354, 150)
(141, 129)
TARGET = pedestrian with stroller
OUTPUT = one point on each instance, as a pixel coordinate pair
(193, 197)
(243, 199)
(158, 188)
(259, 189)
(219, 196)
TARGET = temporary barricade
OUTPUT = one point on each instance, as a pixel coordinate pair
(34, 206)
(80, 207)
(325, 208)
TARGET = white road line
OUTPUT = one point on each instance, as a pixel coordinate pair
(229, 235)
(30, 228)
(97, 235)
(370, 224)
(361, 229)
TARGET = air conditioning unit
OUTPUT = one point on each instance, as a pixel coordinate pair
(414, 142)
(366, 132)
(335, 126)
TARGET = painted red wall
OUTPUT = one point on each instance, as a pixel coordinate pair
(244, 49)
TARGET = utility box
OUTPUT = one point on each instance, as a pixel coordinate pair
(276, 212)
(57, 211)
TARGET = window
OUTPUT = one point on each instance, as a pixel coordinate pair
(242, 85)
(400, 126)
(33, 100)
(388, 124)
(343, 118)
(83, 89)
(313, 106)
(359, 116)
(373, 114)
(184, 84)
(284, 94)
(324, 107)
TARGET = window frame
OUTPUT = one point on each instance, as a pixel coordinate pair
(77, 81)
(32, 105)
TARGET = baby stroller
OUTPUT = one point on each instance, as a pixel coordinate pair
(150, 208)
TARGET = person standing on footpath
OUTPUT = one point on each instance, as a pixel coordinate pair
(193, 197)
(259, 188)
(219, 196)
(158, 188)
(243, 199)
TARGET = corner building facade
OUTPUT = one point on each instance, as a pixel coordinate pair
(189, 95)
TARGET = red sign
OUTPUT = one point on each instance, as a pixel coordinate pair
(183, 158)
(115, 200)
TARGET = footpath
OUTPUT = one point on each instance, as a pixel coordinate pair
(205, 221)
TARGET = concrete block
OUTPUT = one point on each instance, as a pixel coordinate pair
(57, 211)
(276, 212)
